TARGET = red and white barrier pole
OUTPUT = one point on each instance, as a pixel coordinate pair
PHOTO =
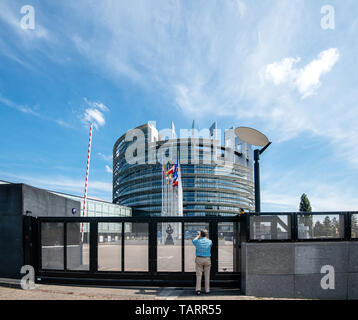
(86, 184)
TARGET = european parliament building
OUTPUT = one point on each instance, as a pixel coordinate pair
(217, 178)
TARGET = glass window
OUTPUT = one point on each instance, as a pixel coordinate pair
(316, 226)
(190, 232)
(52, 249)
(270, 227)
(127, 227)
(169, 253)
(136, 247)
(109, 246)
(228, 254)
(354, 226)
(78, 246)
(98, 207)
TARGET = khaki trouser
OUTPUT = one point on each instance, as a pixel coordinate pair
(202, 265)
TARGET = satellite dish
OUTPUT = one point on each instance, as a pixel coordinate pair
(251, 136)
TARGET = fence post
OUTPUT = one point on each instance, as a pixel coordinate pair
(294, 226)
(182, 247)
(123, 243)
(93, 246)
(347, 226)
(213, 231)
(152, 247)
(245, 228)
(65, 246)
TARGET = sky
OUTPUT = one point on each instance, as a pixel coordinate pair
(286, 68)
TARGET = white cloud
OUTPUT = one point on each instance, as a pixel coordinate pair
(63, 123)
(34, 111)
(282, 72)
(21, 108)
(96, 104)
(95, 114)
(108, 169)
(307, 79)
(105, 157)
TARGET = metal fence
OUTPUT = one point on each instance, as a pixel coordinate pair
(158, 250)
(132, 250)
(302, 226)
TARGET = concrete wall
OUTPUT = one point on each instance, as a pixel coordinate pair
(15, 200)
(43, 203)
(293, 270)
(11, 249)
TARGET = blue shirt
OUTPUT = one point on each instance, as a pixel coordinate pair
(203, 246)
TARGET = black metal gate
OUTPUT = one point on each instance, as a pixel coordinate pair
(132, 250)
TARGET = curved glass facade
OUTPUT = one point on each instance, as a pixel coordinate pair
(220, 184)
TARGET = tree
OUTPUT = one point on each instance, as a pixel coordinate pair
(305, 205)
(335, 227)
(328, 228)
(318, 230)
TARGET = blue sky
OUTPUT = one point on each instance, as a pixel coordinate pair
(265, 64)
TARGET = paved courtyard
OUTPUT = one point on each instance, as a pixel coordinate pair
(51, 292)
(169, 257)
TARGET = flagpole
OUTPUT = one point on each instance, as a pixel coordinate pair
(86, 184)
(166, 191)
(162, 187)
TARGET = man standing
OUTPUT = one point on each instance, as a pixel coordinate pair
(202, 260)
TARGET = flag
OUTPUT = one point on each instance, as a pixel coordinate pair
(175, 173)
(171, 170)
(175, 176)
(169, 178)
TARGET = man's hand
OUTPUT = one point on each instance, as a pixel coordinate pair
(198, 236)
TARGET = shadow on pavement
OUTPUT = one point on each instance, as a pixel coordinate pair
(184, 292)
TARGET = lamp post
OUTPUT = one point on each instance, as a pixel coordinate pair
(256, 138)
